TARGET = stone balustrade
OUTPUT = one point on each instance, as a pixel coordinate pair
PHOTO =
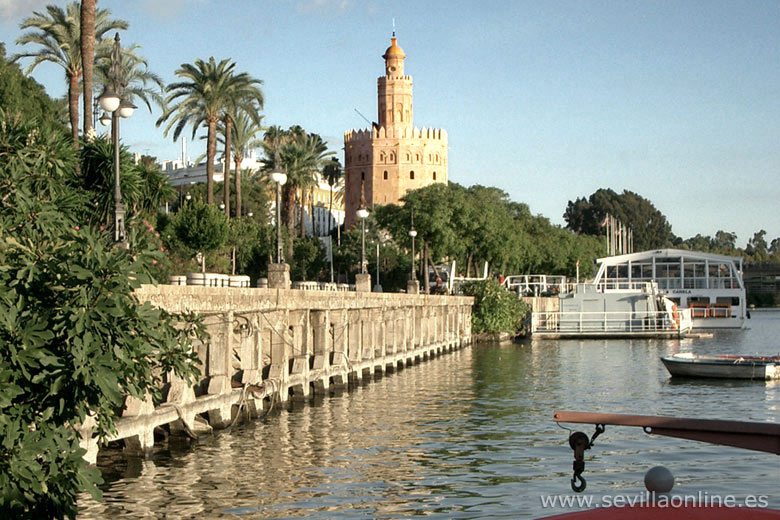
(274, 345)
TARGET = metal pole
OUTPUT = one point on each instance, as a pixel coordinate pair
(119, 210)
(363, 248)
(414, 272)
(377, 263)
(279, 256)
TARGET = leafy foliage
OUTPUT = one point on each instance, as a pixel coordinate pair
(200, 227)
(22, 95)
(73, 339)
(650, 227)
(480, 224)
(57, 35)
(495, 309)
(308, 262)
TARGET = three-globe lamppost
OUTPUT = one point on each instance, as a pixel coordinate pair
(362, 214)
(279, 178)
(111, 101)
(413, 234)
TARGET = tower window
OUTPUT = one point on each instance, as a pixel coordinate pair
(385, 175)
(434, 175)
(362, 176)
(411, 174)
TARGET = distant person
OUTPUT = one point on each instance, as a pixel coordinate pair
(439, 289)
(501, 279)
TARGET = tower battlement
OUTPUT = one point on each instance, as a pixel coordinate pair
(354, 136)
(380, 79)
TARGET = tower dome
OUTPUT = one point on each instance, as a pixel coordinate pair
(394, 50)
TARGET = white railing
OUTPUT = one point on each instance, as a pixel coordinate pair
(638, 322)
(625, 285)
(538, 285)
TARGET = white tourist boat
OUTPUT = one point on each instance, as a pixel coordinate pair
(587, 311)
(723, 367)
(709, 285)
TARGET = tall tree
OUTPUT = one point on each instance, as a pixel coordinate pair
(57, 32)
(88, 57)
(245, 131)
(301, 154)
(243, 97)
(200, 100)
(650, 228)
(333, 174)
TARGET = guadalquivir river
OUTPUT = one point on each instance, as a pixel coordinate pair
(467, 435)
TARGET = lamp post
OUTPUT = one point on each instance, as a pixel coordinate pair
(362, 214)
(413, 286)
(279, 177)
(413, 233)
(112, 102)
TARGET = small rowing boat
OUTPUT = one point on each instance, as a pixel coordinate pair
(725, 367)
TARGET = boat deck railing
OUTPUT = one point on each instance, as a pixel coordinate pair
(635, 323)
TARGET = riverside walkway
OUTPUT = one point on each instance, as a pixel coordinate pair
(269, 346)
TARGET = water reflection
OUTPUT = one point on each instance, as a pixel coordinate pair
(467, 435)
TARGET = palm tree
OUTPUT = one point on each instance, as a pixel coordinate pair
(245, 130)
(88, 57)
(245, 98)
(301, 155)
(333, 174)
(142, 83)
(201, 100)
(58, 33)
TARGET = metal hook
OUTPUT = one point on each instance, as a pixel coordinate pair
(578, 488)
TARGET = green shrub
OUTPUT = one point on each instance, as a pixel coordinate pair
(73, 339)
(495, 309)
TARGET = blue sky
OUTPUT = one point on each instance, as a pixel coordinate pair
(677, 101)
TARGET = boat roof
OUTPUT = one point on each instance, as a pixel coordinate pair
(666, 253)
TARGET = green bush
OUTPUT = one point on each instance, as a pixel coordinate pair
(73, 339)
(495, 309)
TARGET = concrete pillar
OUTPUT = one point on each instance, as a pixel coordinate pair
(367, 346)
(363, 282)
(143, 442)
(279, 276)
(219, 355)
(251, 351)
(278, 336)
(354, 339)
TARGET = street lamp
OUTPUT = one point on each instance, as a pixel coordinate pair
(222, 206)
(250, 214)
(362, 214)
(112, 102)
(413, 233)
(188, 197)
(279, 177)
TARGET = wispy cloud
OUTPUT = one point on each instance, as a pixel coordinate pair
(167, 9)
(323, 5)
(10, 10)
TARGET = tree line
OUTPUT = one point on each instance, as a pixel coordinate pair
(652, 230)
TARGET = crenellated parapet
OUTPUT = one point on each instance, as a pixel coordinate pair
(354, 136)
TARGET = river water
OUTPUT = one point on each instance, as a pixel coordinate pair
(467, 435)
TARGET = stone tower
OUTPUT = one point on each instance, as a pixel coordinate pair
(393, 156)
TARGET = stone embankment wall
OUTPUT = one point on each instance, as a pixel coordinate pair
(273, 345)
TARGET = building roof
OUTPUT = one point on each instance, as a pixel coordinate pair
(666, 253)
